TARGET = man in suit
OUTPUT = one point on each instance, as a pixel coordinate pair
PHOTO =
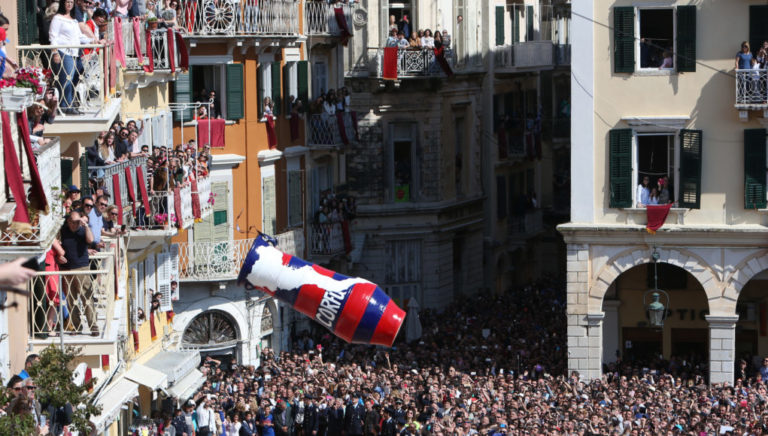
(311, 416)
(354, 417)
(335, 418)
(388, 426)
(248, 428)
(372, 419)
(283, 419)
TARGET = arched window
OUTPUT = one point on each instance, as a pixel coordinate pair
(210, 329)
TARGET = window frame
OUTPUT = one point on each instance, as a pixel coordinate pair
(398, 284)
(655, 70)
(636, 164)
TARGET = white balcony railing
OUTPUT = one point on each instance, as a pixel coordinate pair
(320, 18)
(159, 46)
(106, 176)
(246, 17)
(88, 298)
(187, 215)
(751, 92)
(410, 63)
(324, 129)
(82, 81)
(47, 225)
(327, 239)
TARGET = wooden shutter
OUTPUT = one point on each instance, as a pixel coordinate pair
(235, 91)
(27, 22)
(277, 89)
(754, 169)
(686, 38)
(260, 90)
(85, 188)
(690, 169)
(529, 30)
(758, 30)
(164, 280)
(182, 93)
(624, 39)
(515, 24)
(268, 205)
(303, 79)
(294, 198)
(620, 167)
(499, 25)
(501, 197)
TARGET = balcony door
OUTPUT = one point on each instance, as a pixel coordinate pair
(213, 252)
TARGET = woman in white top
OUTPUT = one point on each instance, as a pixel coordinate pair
(427, 41)
(65, 31)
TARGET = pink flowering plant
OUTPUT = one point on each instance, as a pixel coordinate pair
(32, 77)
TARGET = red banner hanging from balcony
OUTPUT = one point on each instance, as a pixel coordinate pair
(342, 129)
(150, 67)
(135, 340)
(182, 48)
(118, 51)
(177, 206)
(152, 329)
(105, 362)
(656, 217)
(171, 51)
(196, 212)
(143, 190)
(211, 131)
(37, 198)
(131, 191)
(13, 178)
(136, 22)
(116, 196)
(341, 20)
(271, 134)
(440, 57)
(389, 64)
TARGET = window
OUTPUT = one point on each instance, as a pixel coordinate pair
(290, 84)
(754, 168)
(226, 80)
(404, 162)
(266, 86)
(403, 271)
(319, 78)
(322, 181)
(501, 197)
(295, 191)
(459, 36)
(654, 38)
(637, 156)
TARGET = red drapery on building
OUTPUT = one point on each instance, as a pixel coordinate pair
(152, 329)
(271, 134)
(118, 50)
(137, 40)
(151, 66)
(21, 223)
(656, 217)
(211, 131)
(182, 48)
(196, 212)
(131, 191)
(440, 57)
(116, 196)
(143, 190)
(37, 198)
(135, 340)
(389, 65)
(341, 20)
(177, 205)
(171, 51)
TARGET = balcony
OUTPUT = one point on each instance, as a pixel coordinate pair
(327, 240)
(751, 92)
(90, 303)
(525, 226)
(90, 92)
(526, 55)
(137, 61)
(410, 63)
(223, 18)
(222, 260)
(47, 226)
(328, 131)
(320, 18)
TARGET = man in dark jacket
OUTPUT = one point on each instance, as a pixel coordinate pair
(388, 426)
(311, 417)
(247, 428)
(335, 418)
(283, 419)
(372, 419)
(354, 417)
(180, 423)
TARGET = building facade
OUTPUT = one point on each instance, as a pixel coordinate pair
(653, 97)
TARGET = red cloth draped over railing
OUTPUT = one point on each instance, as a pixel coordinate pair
(21, 223)
(143, 190)
(135, 340)
(37, 198)
(341, 20)
(171, 51)
(214, 128)
(131, 191)
(116, 196)
(183, 55)
(440, 57)
(119, 48)
(137, 39)
(152, 329)
(151, 66)
(196, 212)
(656, 216)
(271, 134)
(342, 128)
(177, 205)
(389, 63)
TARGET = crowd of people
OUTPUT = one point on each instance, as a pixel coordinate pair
(653, 194)
(403, 36)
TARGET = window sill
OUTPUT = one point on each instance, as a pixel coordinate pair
(655, 72)
(637, 215)
(672, 209)
(194, 123)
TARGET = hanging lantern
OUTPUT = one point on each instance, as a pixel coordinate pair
(656, 310)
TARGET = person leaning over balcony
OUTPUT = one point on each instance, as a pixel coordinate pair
(643, 192)
(65, 31)
(446, 39)
(392, 38)
(75, 238)
(439, 41)
(402, 43)
(73, 194)
(744, 57)
(414, 42)
(111, 228)
(36, 117)
(96, 218)
(427, 41)
(107, 150)
(122, 145)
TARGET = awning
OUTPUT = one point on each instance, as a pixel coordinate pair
(174, 364)
(114, 396)
(187, 386)
(147, 376)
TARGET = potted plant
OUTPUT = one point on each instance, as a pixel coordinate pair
(151, 21)
(13, 98)
(33, 78)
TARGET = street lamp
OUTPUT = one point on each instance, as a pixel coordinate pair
(656, 309)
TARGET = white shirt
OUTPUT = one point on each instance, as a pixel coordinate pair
(428, 42)
(643, 194)
(204, 416)
(66, 31)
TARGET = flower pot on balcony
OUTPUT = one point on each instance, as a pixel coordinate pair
(15, 99)
(152, 25)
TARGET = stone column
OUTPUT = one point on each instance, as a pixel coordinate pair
(722, 347)
(585, 344)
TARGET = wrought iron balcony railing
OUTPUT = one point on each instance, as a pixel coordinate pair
(320, 18)
(751, 89)
(410, 63)
(330, 130)
(240, 18)
(327, 239)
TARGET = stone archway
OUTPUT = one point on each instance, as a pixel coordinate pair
(211, 330)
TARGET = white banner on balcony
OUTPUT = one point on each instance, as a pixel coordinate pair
(164, 280)
(174, 252)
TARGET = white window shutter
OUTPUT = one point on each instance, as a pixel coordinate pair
(174, 251)
(157, 130)
(168, 129)
(140, 289)
(164, 280)
(151, 282)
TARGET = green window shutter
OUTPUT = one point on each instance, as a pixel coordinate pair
(499, 25)
(259, 90)
(529, 23)
(276, 87)
(235, 91)
(686, 38)
(758, 31)
(515, 25)
(624, 39)
(303, 78)
(26, 15)
(182, 93)
(690, 169)
(620, 167)
(754, 169)
(85, 188)
(294, 198)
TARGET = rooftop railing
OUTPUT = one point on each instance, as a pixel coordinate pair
(320, 18)
(240, 18)
(82, 81)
